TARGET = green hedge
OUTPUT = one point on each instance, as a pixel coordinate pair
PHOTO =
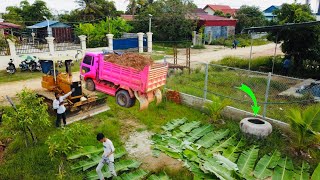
(244, 40)
(257, 64)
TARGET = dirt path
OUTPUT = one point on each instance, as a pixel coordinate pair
(138, 145)
(205, 55)
(12, 88)
(216, 53)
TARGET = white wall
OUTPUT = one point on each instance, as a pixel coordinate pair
(209, 11)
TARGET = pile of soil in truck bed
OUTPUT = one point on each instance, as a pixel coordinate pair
(135, 61)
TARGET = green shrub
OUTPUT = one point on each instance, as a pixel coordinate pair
(256, 64)
(96, 33)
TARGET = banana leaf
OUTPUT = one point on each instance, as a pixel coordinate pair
(120, 166)
(119, 153)
(192, 155)
(302, 173)
(316, 173)
(247, 161)
(173, 124)
(225, 162)
(94, 176)
(161, 176)
(170, 152)
(198, 133)
(125, 165)
(221, 172)
(197, 172)
(284, 170)
(174, 143)
(178, 134)
(233, 152)
(265, 164)
(94, 160)
(86, 150)
(186, 128)
(222, 145)
(212, 137)
(136, 175)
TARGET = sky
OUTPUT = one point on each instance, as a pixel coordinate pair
(61, 5)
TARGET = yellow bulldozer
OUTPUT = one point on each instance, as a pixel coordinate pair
(63, 82)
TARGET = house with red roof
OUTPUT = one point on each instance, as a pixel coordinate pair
(214, 26)
(210, 9)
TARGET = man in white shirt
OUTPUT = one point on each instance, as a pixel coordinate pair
(107, 157)
(58, 105)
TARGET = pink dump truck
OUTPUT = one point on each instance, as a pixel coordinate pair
(125, 83)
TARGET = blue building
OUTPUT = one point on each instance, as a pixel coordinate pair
(268, 13)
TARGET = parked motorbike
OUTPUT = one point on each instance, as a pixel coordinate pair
(30, 65)
(11, 69)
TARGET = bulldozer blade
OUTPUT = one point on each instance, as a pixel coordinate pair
(144, 103)
(158, 95)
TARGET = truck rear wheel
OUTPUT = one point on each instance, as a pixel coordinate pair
(90, 85)
(124, 100)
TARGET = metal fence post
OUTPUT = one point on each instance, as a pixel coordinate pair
(250, 51)
(267, 95)
(206, 83)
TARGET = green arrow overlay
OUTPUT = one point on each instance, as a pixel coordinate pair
(247, 90)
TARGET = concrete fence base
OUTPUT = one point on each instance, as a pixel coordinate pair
(230, 112)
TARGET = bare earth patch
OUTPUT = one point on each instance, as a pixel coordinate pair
(138, 145)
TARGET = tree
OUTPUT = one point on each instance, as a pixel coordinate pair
(301, 43)
(170, 20)
(27, 14)
(29, 118)
(97, 32)
(249, 16)
(218, 13)
(95, 9)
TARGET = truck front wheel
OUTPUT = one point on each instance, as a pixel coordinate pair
(124, 100)
(90, 85)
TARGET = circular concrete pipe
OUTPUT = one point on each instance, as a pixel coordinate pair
(255, 126)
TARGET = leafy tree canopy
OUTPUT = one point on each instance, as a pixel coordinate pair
(169, 19)
(26, 13)
(90, 10)
(249, 16)
(301, 43)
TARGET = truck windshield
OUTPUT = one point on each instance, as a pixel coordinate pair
(87, 60)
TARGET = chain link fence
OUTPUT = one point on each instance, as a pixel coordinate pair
(274, 93)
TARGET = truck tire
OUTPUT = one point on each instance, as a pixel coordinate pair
(124, 100)
(90, 85)
(255, 126)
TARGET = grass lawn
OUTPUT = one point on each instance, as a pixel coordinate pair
(20, 76)
(223, 83)
(34, 162)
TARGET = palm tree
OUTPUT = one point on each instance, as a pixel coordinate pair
(91, 6)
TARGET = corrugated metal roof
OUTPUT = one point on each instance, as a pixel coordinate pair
(45, 24)
(5, 25)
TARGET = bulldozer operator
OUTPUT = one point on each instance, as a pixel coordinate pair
(58, 106)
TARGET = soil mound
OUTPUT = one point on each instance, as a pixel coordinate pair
(133, 60)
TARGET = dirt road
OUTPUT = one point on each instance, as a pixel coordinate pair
(12, 88)
(212, 53)
(216, 53)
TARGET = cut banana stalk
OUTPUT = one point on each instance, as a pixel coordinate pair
(143, 101)
(158, 95)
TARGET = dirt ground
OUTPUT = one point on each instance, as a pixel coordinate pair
(138, 145)
(216, 53)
